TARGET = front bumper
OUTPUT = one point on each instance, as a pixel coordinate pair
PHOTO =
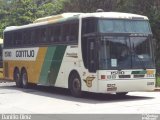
(130, 85)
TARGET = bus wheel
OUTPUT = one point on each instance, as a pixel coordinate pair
(17, 78)
(75, 85)
(121, 94)
(24, 79)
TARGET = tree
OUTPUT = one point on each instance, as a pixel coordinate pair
(20, 12)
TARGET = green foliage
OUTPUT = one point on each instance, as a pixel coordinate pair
(158, 81)
(50, 8)
(20, 12)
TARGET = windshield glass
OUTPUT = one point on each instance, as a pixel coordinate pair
(141, 51)
(123, 26)
(125, 53)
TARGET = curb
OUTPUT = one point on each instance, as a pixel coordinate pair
(157, 89)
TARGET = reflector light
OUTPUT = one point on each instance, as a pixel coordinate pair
(103, 77)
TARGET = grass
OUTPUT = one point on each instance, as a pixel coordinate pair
(158, 81)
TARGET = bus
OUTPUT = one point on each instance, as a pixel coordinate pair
(100, 52)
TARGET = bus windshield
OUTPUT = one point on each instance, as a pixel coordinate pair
(123, 26)
(125, 53)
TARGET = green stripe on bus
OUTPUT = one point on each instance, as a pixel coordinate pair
(56, 63)
(46, 66)
(139, 72)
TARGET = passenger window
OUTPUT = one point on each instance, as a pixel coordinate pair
(66, 32)
(19, 38)
(26, 37)
(43, 35)
(51, 34)
(57, 33)
(37, 35)
(33, 36)
(74, 32)
(88, 25)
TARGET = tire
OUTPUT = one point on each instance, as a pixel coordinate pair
(17, 79)
(121, 94)
(75, 85)
(24, 79)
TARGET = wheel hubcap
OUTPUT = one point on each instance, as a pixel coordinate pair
(17, 76)
(76, 84)
(24, 79)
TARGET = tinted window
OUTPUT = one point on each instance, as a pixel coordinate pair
(57, 33)
(88, 25)
(74, 31)
(43, 35)
(37, 35)
(61, 33)
(27, 37)
(19, 38)
(51, 36)
(125, 53)
(123, 26)
(70, 32)
(33, 36)
(8, 39)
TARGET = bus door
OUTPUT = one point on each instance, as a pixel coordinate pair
(92, 54)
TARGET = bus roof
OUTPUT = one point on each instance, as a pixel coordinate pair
(56, 17)
(115, 15)
(69, 16)
(45, 21)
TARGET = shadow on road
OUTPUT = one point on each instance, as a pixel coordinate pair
(61, 93)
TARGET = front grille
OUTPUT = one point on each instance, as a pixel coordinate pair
(138, 76)
(124, 76)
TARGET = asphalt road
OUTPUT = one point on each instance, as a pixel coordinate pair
(54, 100)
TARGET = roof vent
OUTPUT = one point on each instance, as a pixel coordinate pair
(99, 10)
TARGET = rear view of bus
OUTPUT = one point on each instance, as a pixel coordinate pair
(118, 47)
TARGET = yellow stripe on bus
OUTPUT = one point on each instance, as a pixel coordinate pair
(33, 67)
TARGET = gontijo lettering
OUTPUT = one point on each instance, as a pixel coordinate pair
(25, 53)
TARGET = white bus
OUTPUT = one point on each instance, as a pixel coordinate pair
(102, 52)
